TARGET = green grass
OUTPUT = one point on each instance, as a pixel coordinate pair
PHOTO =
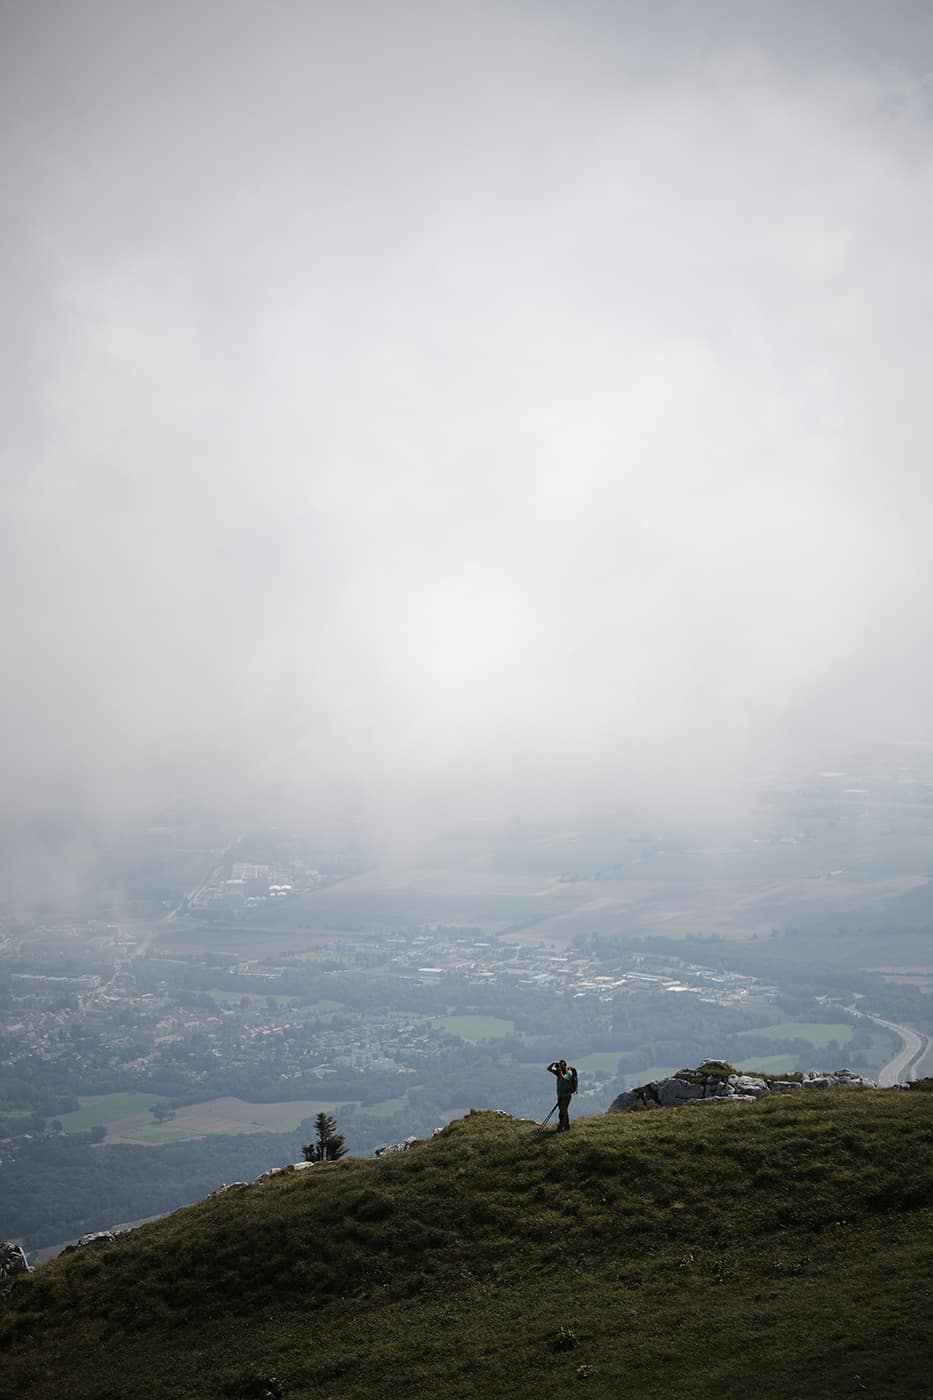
(816, 1032)
(775, 1249)
(475, 1027)
(101, 1109)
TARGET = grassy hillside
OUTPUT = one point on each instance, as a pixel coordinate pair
(777, 1249)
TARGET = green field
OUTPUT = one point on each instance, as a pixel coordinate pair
(818, 1033)
(475, 1027)
(101, 1109)
(771, 1064)
(881, 1048)
(228, 1116)
(645, 1076)
(387, 1108)
(128, 1114)
(602, 1062)
(158, 1134)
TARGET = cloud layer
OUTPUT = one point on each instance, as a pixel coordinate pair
(458, 408)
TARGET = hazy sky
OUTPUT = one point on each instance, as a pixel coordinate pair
(461, 406)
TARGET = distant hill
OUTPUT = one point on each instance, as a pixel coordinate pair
(779, 1249)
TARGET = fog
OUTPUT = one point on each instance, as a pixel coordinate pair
(429, 411)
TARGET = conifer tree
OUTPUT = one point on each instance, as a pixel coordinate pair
(328, 1144)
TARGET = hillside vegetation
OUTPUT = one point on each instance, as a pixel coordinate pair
(776, 1249)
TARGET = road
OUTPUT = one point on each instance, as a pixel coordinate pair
(193, 893)
(180, 908)
(912, 1048)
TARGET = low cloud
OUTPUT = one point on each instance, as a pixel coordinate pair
(444, 413)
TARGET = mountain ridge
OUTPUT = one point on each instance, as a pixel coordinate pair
(778, 1247)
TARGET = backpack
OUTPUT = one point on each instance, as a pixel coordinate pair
(574, 1082)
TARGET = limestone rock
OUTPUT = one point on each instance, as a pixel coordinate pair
(840, 1078)
(716, 1081)
(277, 1171)
(390, 1147)
(674, 1091)
(12, 1260)
(750, 1084)
(629, 1101)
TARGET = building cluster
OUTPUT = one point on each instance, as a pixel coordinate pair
(250, 885)
(119, 1031)
(430, 957)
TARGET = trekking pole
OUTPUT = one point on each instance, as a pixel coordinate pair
(550, 1115)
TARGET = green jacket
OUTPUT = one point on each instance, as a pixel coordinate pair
(564, 1082)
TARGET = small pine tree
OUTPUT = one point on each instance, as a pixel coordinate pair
(328, 1144)
(335, 1148)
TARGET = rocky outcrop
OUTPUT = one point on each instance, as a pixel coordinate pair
(838, 1079)
(390, 1147)
(12, 1260)
(716, 1081)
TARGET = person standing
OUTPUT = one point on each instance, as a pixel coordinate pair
(566, 1077)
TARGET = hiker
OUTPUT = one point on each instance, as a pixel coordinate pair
(566, 1077)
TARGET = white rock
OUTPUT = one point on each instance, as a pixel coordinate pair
(12, 1259)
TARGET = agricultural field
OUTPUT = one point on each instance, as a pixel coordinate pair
(769, 1064)
(127, 1117)
(388, 1107)
(732, 893)
(645, 1076)
(187, 937)
(817, 1033)
(921, 977)
(148, 1133)
(602, 1062)
(732, 907)
(100, 1110)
